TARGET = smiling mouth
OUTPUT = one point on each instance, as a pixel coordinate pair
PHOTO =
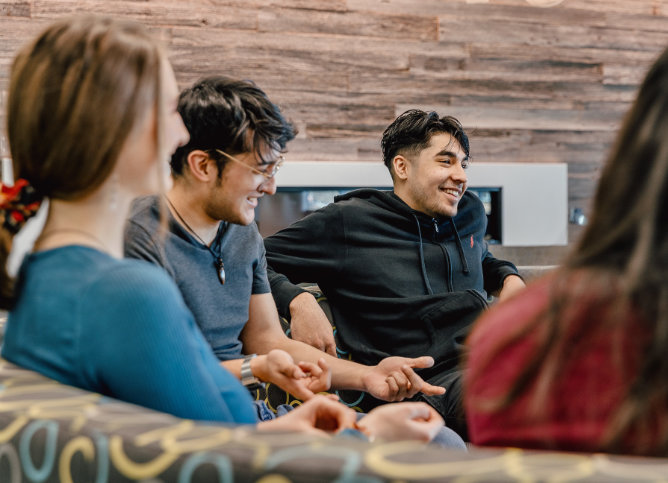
(452, 192)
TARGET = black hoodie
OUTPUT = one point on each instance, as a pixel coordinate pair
(398, 281)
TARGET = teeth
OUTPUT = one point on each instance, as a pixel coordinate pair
(452, 192)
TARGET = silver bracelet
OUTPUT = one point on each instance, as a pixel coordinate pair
(247, 377)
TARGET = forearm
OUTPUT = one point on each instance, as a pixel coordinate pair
(263, 333)
(345, 374)
(512, 284)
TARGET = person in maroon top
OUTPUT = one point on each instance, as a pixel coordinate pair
(578, 360)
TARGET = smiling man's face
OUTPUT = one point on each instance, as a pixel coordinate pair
(236, 193)
(436, 179)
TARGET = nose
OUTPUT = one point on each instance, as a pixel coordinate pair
(268, 187)
(459, 174)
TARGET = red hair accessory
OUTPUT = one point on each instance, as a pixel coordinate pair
(18, 203)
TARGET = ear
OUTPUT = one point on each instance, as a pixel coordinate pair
(401, 166)
(201, 166)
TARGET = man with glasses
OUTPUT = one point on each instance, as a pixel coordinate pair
(213, 249)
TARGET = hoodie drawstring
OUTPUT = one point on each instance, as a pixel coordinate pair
(424, 267)
(460, 249)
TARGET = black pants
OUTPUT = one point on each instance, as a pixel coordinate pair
(449, 405)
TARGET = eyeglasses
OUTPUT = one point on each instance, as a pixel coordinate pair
(268, 173)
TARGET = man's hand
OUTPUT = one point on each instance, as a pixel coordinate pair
(402, 421)
(394, 379)
(320, 416)
(511, 285)
(309, 324)
(302, 380)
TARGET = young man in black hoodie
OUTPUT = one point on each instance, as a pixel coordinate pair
(405, 271)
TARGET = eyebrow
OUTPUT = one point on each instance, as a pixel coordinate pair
(267, 163)
(445, 152)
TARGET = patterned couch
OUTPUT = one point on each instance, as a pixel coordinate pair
(50, 432)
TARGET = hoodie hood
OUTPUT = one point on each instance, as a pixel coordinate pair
(468, 211)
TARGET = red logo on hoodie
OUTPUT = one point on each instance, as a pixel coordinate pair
(471, 241)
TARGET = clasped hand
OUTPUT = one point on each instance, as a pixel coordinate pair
(303, 379)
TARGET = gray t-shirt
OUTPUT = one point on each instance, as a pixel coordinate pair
(221, 311)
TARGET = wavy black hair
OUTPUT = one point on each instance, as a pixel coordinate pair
(229, 114)
(411, 132)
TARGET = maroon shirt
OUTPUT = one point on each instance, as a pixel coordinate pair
(598, 358)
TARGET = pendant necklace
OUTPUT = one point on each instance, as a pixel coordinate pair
(217, 259)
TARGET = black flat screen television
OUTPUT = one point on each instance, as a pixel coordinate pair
(290, 204)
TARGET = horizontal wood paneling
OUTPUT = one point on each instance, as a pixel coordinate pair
(533, 80)
(157, 13)
(355, 24)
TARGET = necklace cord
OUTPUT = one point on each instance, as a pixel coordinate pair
(217, 257)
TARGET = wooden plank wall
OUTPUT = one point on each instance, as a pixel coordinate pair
(534, 80)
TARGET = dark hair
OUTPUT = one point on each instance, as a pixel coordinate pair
(621, 260)
(628, 234)
(229, 114)
(90, 81)
(411, 132)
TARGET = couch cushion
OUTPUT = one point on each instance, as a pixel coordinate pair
(51, 432)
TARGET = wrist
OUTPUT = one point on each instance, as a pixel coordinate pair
(363, 378)
(250, 371)
(258, 366)
(299, 301)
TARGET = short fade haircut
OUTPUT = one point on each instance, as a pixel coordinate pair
(411, 132)
(229, 114)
